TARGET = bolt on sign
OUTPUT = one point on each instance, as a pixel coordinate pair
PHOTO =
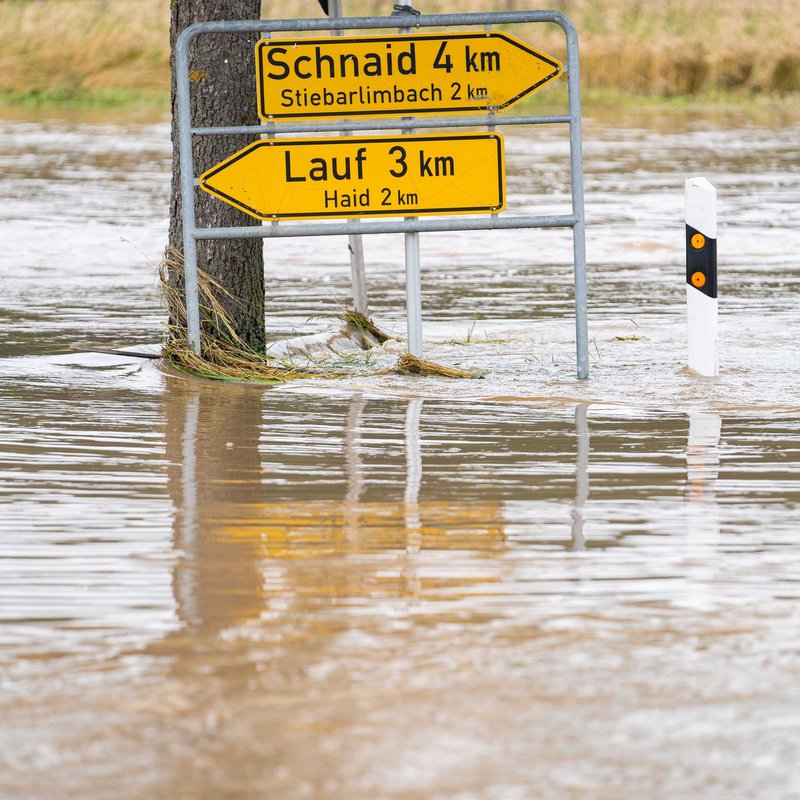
(276, 179)
(410, 74)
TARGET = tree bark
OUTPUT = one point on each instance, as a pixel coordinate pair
(222, 71)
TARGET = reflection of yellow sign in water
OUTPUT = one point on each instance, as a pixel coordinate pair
(320, 552)
(409, 74)
(361, 177)
(323, 528)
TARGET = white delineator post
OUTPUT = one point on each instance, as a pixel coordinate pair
(701, 276)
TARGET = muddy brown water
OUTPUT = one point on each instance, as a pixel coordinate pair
(386, 587)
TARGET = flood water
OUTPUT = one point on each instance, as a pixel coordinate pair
(509, 588)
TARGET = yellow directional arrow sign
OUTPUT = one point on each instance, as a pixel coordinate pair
(378, 176)
(404, 74)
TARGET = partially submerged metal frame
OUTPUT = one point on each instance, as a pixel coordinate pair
(575, 220)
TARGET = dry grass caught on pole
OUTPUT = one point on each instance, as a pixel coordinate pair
(223, 355)
(414, 365)
(366, 325)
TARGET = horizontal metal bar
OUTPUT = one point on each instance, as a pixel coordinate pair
(408, 21)
(286, 230)
(380, 125)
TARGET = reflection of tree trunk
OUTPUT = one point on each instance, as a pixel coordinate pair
(223, 92)
(212, 447)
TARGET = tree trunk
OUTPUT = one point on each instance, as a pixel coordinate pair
(222, 70)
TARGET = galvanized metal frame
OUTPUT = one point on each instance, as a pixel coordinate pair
(575, 220)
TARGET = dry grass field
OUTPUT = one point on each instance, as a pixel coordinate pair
(117, 50)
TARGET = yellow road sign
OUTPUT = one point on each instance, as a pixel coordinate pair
(378, 176)
(404, 74)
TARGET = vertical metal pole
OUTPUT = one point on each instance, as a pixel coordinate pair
(187, 192)
(355, 242)
(413, 294)
(491, 127)
(413, 281)
(269, 127)
(579, 229)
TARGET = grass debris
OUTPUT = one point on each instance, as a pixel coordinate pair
(414, 365)
(223, 354)
(366, 325)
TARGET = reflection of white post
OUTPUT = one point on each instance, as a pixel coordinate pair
(581, 475)
(701, 275)
(702, 512)
(189, 472)
(185, 588)
(411, 498)
(352, 456)
(355, 243)
(702, 454)
(413, 453)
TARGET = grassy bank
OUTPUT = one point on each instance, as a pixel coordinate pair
(103, 51)
(117, 51)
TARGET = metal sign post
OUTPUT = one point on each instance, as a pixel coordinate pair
(355, 242)
(412, 260)
(480, 61)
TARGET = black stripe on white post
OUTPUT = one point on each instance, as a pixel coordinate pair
(701, 276)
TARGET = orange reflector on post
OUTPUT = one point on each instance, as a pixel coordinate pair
(698, 241)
